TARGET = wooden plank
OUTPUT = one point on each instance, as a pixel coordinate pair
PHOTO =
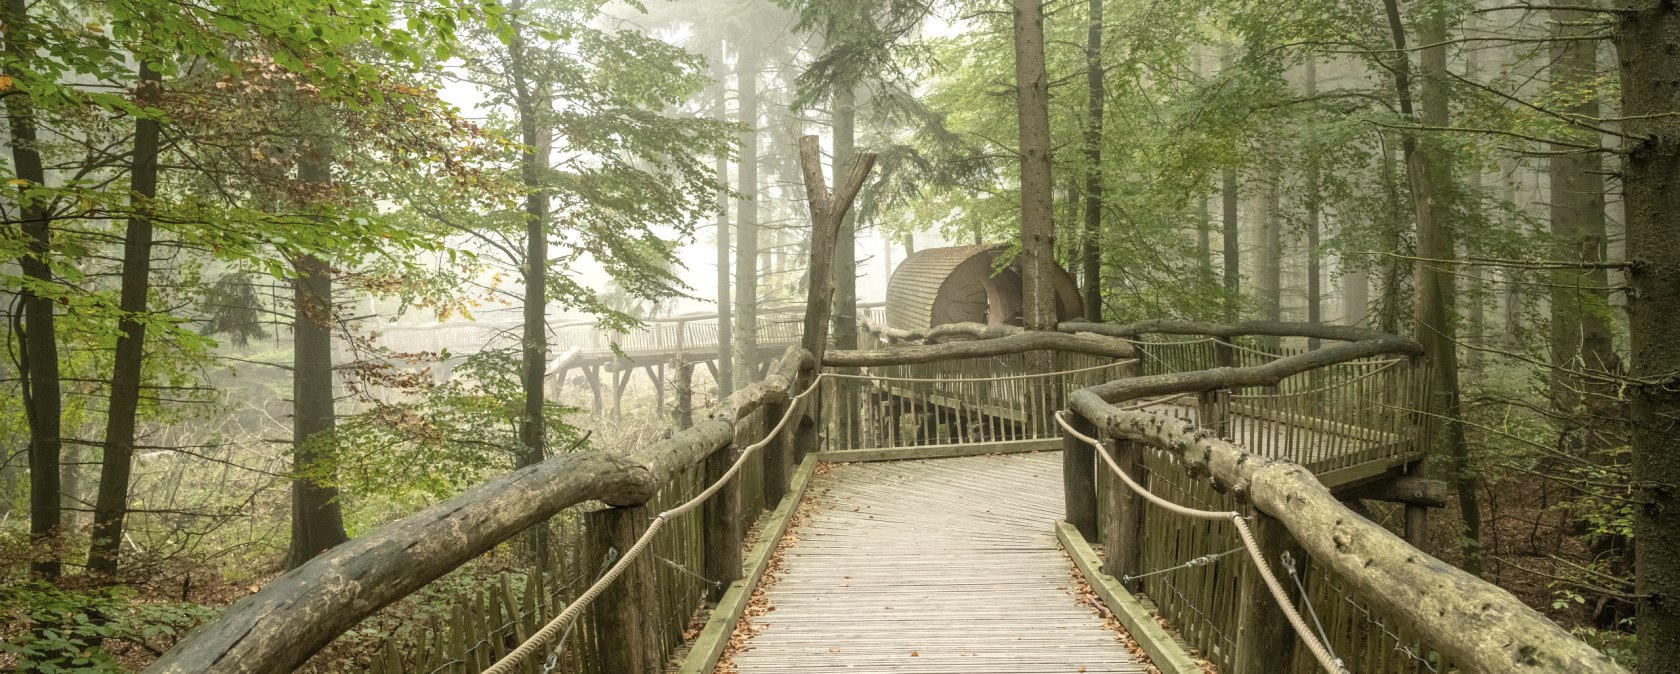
(940, 451)
(1164, 652)
(703, 654)
(931, 567)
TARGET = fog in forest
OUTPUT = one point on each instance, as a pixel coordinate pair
(278, 276)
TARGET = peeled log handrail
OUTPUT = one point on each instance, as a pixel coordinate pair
(1338, 333)
(1004, 344)
(278, 628)
(1474, 624)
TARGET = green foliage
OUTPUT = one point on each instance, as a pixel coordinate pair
(52, 630)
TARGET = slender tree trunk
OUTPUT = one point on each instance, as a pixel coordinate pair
(1232, 242)
(1356, 296)
(746, 215)
(1228, 211)
(1647, 38)
(1092, 251)
(1580, 333)
(317, 518)
(112, 505)
(845, 247)
(43, 402)
(1268, 264)
(1433, 271)
(1388, 311)
(1315, 273)
(1038, 231)
(725, 317)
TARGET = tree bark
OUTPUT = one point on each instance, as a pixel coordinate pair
(43, 401)
(1232, 244)
(1433, 272)
(725, 317)
(827, 211)
(845, 246)
(746, 214)
(1091, 250)
(1038, 231)
(1315, 273)
(1580, 335)
(317, 518)
(1647, 38)
(111, 508)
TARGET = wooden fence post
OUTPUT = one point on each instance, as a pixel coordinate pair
(722, 516)
(1213, 411)
(1079, 479)
(778, 463)
(626, 615)
(1265, 639)
(682, 385)
(1122, 534)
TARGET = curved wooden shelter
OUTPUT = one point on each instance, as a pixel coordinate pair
(962, 284)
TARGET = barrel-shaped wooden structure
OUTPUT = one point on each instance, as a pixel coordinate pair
(965, 284)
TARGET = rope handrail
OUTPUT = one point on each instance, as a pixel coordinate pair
(560, 622)
(1320, 649)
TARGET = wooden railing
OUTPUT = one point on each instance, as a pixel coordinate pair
(1384, 605)
(691, 336)
(632, 628)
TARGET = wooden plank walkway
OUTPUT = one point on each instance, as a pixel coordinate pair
(935, 566)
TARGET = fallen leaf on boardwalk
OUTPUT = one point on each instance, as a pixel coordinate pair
(834, 649)
(914, 654)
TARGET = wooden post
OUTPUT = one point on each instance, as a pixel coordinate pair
(778, 464)
(592, 374)
(1079, 478)
(1417, 515)
(682, 385)
(1213, 409)
(625, 616)
(1265, 640)
(722, 516)
(1123, 529)
(1224, 355)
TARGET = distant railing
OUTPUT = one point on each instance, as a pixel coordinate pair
(991, 401)
(693, 336)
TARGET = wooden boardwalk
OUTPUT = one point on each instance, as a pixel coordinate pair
(935, 566)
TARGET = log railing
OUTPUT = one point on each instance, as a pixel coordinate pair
(1383, 604)
(282, 625)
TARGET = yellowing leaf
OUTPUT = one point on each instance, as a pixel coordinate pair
(18, 182)
(5, 82)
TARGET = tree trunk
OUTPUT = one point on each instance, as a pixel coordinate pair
(845, 247)
(1315, 292)
(746, 215)
(1647, 39)
(112, 505)
(1393, 271)
(317, 519)
(1433, 271)
(725, 317)
(1038, 232)
(1580, 334)
(38, 353)
(1091, 253)
(1268, 263)
(1233, 266)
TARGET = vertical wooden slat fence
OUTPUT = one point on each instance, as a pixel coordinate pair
(488, 620)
